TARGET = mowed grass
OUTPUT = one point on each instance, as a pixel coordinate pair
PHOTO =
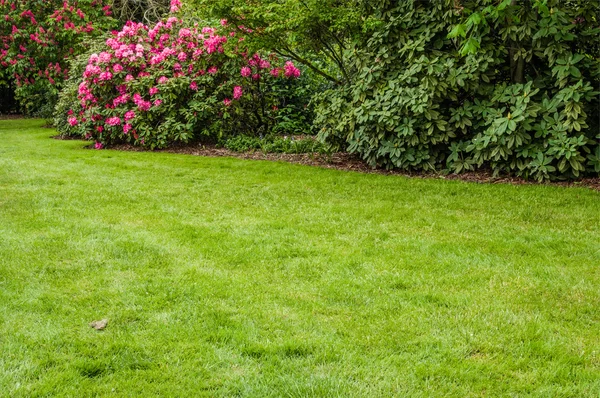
(225, 277)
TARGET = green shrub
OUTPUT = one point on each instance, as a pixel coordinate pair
(462, 85)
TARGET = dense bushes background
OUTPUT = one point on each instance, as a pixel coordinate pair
(39, 37)
(509, 85)
(474, 84)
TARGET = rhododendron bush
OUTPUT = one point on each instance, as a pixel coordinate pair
(509, 86)
(38, 37)
(172, 82)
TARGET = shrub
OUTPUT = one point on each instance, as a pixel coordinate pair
(68, 96)
(459, 84)
(315, 33)
(173, 83)
(37, 39)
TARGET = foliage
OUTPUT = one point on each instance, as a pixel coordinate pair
(174, 83)
(471, 84)
(316, 33)
(68, 96)
(38, 37)
(274, 144)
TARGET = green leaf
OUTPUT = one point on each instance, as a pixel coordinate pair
(575, 72)
(458, 30)
(470, 46)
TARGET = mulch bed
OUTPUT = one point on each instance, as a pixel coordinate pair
(347, 162)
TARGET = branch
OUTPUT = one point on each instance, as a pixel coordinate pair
(293, 55)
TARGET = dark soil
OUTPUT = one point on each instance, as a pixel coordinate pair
(11, 116)
(66, 138)
(347, 162)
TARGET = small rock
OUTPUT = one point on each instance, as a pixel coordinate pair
(99, 325)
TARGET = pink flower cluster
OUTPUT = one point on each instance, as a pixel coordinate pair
(29, 28)
(175, 5)
(237, 92)
(141, 103)
(113, 121)
(144, 72)
(291, 70)
(256, 65)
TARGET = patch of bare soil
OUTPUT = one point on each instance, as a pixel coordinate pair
(347, 162)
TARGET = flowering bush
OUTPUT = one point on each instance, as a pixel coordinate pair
(37, 38)
(171, 82)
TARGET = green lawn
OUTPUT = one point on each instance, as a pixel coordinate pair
(227, 277)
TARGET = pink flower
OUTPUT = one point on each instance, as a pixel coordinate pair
(144, 105)
(175, 5)
(246, 71)
(153, 90)
(291, 70)
(113, 121)
(91, 70)
(104, 57)
(141, 103)
(129, 115)
(99, 129)
(223, 22)
(157, 102)
(264, 64)
(98, 145)
(212, 70)
(122, 99)
(105, 76)
(182, 56)
(194, 86)
(157, 59)
(127, 128)
(72, 121)
(237, 92)
(163, 80)
(227, 102)
(117, 68)
(129, 78)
